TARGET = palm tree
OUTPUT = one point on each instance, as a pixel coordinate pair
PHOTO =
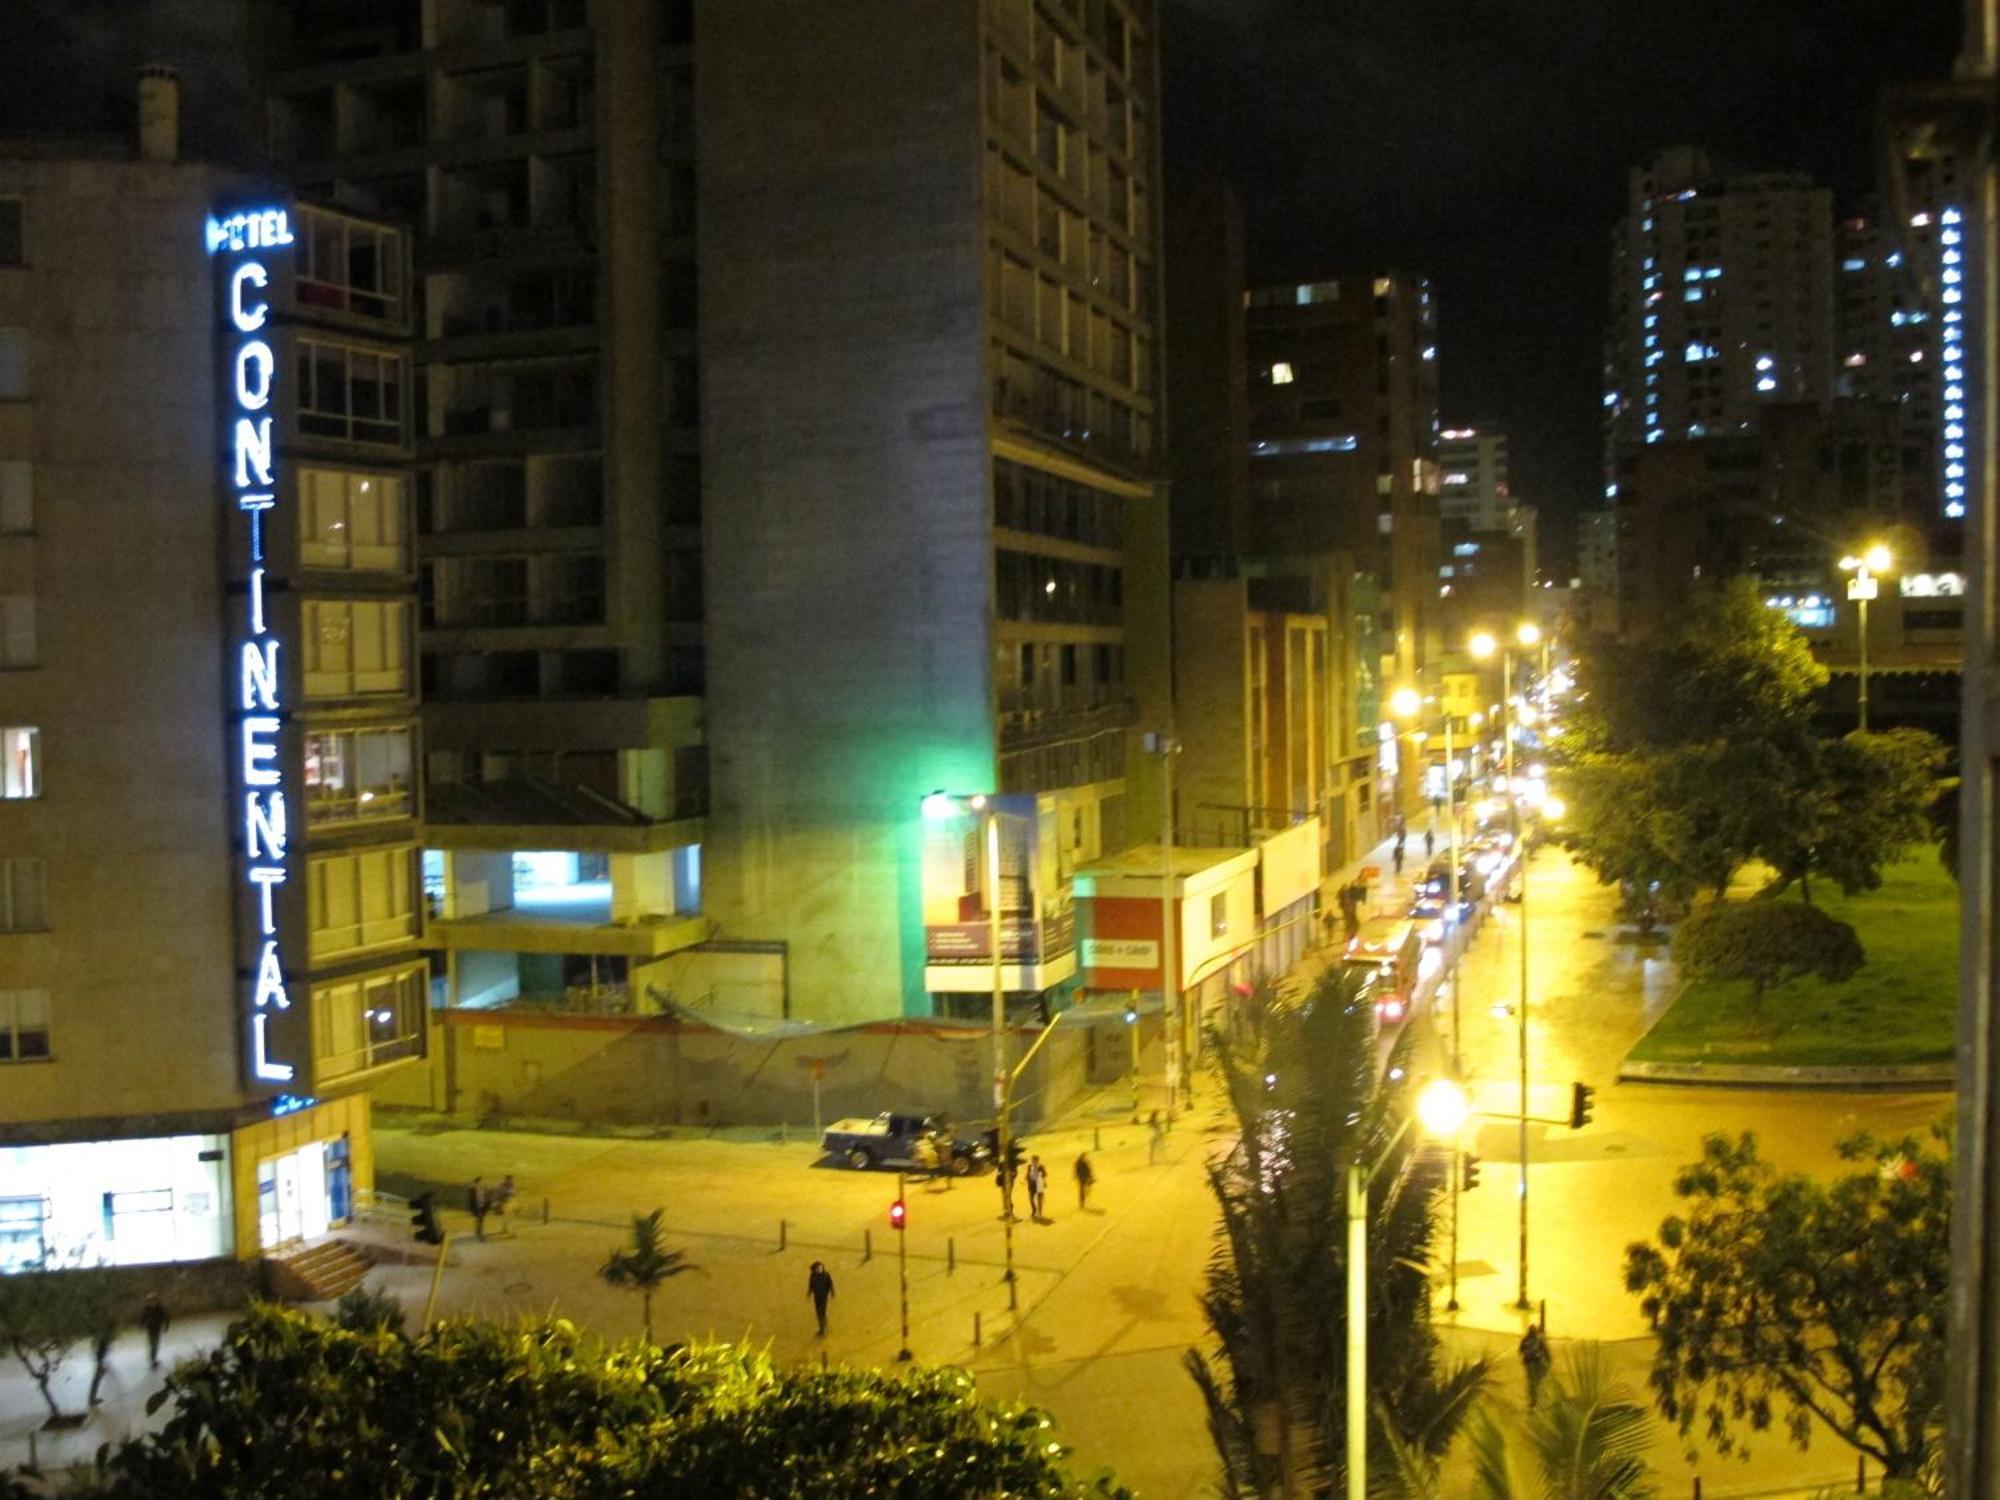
(1308, 1097)
(1585, 1440)
(645, 1264)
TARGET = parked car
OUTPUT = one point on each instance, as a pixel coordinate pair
(903, 1139)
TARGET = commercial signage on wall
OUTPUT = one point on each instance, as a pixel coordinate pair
(247, 247)
(1037, 920)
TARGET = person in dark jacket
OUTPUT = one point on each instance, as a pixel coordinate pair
(819, 1287)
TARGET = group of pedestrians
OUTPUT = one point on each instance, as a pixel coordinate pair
(481, 1201)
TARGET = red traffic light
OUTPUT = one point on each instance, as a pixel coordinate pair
(897, 1214)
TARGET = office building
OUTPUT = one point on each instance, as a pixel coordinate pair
(209, 912)
(1343, 438)
(935, 553)
(1721, 302)
(707, 618)
(1473, 486)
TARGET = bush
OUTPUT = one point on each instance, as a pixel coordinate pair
(293, 1405)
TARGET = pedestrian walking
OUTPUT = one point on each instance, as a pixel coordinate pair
(503, 1197)
(819, 1287)
(1350, 909)
(479, 1204)
(153, 1317)
(1535, 1360)
(1156, 1138)
(1086, 1175)
(1396, 854)
(1430, 844)
(1038, 1187)
(1003, 1178)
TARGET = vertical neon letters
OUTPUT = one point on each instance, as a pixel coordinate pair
(249, 240)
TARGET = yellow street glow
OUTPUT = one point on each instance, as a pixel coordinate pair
(1482, 644)
(1405, 702)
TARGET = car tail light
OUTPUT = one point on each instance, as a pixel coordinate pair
(1392, 1010)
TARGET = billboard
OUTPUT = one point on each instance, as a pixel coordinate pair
(1037, 921)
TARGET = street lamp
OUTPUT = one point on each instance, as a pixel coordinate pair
(1483, 645)
(1862, 587)
(940, 805)
(1442, 1110)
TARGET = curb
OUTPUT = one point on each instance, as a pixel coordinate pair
(1916, 1077)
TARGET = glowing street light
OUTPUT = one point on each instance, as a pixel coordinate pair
(1442, 1110)
(1862, 587)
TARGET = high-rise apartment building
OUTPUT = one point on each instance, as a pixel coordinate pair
(209, 896)
(1903, 332)
(935, 554)
(1343, 438)
(543, 155)
(871, 533)
(1721, 301)
(1473, 487)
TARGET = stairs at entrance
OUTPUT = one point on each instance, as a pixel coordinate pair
(315, 1273)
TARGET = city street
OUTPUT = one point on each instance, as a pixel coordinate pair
(1107, 1295)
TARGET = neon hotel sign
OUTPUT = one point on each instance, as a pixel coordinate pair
(246, 245)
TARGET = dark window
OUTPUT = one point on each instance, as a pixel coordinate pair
(12, 250)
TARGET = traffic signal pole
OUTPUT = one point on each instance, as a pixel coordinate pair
(901, 1218)
(437, 1277)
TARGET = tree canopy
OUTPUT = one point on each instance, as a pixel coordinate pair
(289, 1404)
(1783, 1300)
(1765, 943)
(1684, 759)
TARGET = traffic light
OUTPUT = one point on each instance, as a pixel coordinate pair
(1581, 1096)
(424, 1219)
(898, 1214)
(1468, 1172)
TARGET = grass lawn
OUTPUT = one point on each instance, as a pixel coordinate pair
(1901, 1007)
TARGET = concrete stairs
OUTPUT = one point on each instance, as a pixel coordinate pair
(315, 1273)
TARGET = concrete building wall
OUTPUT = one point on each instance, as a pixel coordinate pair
(122, 567)
(640, 1071)
(847, 553)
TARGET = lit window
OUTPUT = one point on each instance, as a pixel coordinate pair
(1693, 294)
(353, 521)
(1855, 361)
(20, 762)
(1854, 263)
(1920, 221)
(24, 1025)
(1893, 260)
(1281, 373)
(357, 774)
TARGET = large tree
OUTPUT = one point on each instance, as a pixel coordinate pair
(1783, 1300)
(1686, 758)
(1765, 943)
(292, 1405)
(1585, 1438)
(1305, 1084)
(1858, 804)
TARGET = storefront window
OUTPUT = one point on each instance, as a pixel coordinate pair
(126, 1203)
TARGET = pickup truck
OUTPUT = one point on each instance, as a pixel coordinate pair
(902, 1139)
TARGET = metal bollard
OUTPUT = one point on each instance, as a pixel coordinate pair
(781, 1233)
(1860, 1473)
(950, 1256)
(867, 1246)
(1697, 1487)
(975, 1330)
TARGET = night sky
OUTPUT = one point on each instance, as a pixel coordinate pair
(1486, 142)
